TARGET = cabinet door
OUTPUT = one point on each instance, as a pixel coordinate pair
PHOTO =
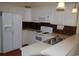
(7, 32)
(64, 17)
(28, 37)
(58, 17)
(69, 18)
(27, 14)
(25, 37)
(32, 37)
(17, 28)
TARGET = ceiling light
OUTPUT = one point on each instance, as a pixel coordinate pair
(74, 10)
(60, 6)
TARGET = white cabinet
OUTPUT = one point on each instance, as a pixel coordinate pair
(69, 18)
(28, 37)
(27, 16)
(41, 14)
(25, 37)
(64, 17)
(11, 31)
(33, 38)
(58, 17)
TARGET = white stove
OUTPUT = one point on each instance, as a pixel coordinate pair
(44, 33)
(43, 37)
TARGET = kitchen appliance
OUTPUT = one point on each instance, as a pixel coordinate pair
(44, 33)
(10, 31)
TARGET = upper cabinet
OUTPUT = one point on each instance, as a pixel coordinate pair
(46, 12)
(41, 14)
(64, 17)
(58, 17)
(27, 14)
(69, 18)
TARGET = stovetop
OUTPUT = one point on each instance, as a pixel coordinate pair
(42, 32)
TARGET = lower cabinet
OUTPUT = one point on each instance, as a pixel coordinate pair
(28, 37)
(25, 37)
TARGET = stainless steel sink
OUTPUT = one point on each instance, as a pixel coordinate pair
(54, 40)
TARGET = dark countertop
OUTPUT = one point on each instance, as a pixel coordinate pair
(54, 34)
(31, 29)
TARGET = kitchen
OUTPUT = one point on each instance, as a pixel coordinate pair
(44, 14)
(41, 9)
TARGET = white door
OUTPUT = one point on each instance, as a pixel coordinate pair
(17, 27)
(7, 32)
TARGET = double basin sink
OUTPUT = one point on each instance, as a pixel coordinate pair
(54, 40)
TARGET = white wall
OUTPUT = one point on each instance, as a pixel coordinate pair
(0, 33)
(77, 27)
(78, 22)
(55, 17)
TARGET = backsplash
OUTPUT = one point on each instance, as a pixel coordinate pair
(68, 30)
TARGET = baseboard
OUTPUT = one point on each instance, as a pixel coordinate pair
(16, 52)
(25, 45)
(1, 54)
